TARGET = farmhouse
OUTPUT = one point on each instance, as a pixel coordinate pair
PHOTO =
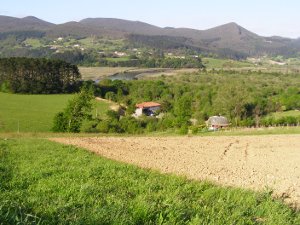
(216, 122)
(120, 54)
(146, 108)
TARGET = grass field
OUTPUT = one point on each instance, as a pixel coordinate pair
(34, 113)
(102, 44)
(47, 183)
(95, 73)
(265, 65)
(253, 131)
(34, 43)
(211, 63)
(121, 59)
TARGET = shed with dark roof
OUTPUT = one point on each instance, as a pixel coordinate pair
(216, 122)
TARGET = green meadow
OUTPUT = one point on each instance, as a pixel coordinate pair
(214, 63)
(34, 113)
(48, 183)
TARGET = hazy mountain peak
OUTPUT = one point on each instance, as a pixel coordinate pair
(127, 26)
(31, 18)
(229, 32)
(8, 24)
(35, 20)
(232, 24)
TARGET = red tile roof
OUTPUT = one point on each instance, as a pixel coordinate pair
(148, 105)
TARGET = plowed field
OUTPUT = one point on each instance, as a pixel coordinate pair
(254, 162)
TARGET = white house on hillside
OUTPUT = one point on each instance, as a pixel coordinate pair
(146, 108)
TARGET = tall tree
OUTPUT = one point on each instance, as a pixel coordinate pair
(38, 76)
(77, 110)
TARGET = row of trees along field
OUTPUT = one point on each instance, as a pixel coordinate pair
(38, 76)
(155, 62)
(92, 58)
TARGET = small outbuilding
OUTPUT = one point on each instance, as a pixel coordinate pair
(147, 108)
(217, 122)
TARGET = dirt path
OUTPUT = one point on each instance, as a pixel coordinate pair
(254, 162)
(112, 105)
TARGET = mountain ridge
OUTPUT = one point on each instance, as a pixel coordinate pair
(229, 37)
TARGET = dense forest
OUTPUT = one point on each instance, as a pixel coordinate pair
(238, 95)
(38, 76)
(247, 99)
(162, 42)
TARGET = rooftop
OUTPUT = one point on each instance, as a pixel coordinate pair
(218, 120)
(147, 104)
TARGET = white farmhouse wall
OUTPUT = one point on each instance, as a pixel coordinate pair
(138, 112)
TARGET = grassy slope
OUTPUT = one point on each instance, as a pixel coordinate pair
(102, 44)
(34, 113)
(48, 183)
(34, 43)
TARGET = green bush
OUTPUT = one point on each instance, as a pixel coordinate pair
(131, 125)
(184, 129)
(60, 122)
(5, 87)
(151, 126)
(249, 122)
(103, 126)
(89, 126)
(78, 109)
(194, 129)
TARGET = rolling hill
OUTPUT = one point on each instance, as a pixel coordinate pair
(228, 40)
(124, 26)
(8, 24)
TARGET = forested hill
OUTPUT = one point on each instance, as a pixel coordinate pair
(8, 24)
(228, 40)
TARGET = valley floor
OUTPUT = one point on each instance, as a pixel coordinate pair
(255, 162)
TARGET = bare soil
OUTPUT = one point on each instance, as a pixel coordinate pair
(254, 162)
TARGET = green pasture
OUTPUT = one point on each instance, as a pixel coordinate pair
(35, 113)
(215, 63)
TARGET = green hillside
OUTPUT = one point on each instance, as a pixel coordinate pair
(33, 113)
(92, 37)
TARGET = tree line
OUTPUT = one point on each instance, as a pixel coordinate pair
(187, 101)
(155, 62)
(38, 76)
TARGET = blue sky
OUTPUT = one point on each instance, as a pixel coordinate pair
(265, 17)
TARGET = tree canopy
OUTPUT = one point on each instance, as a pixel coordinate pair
(38, 76)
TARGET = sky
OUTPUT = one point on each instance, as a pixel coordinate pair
(264, 17)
